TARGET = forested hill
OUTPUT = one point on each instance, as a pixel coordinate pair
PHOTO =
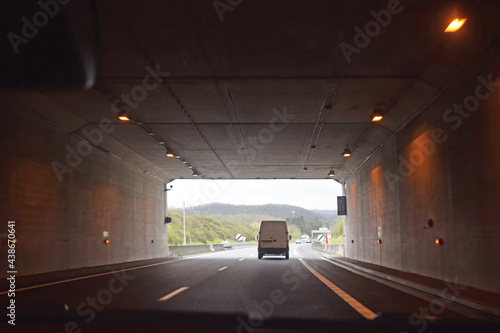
(266, 211)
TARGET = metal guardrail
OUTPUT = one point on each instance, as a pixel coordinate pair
(195, 249)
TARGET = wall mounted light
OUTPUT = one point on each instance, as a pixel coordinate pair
(170, 153)
(379, 241)
(377, 114)
(106, 241)
(439, 241)
(347, 152)
(331, 174)
(455, 25)
(195, 173)
(123, 116)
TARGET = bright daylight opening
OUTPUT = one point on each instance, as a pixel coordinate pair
(218, 211)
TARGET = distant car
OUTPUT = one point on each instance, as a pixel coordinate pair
(226, 243)
(308, 241)
(298, 241)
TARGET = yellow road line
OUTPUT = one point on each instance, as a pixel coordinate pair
(172, 294)
(223, 268)
(363, 310)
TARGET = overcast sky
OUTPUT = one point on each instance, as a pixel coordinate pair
(309, 194)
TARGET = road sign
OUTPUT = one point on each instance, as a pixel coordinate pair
(341, 205)
(239, 237)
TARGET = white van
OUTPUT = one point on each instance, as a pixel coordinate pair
(273, 238)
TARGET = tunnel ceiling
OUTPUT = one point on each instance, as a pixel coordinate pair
(264, 89)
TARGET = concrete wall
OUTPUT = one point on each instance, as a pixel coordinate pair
(337, 249)
(194, 249)
(443, 167)
(60, 224)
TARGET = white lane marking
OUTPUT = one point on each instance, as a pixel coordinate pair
(223, 268)
(296, 254)
(172, 294)
(241, 259)
(363, 310)
(87, 277)
(121, 270)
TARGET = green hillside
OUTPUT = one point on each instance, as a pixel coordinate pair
(205, 230)
(245, 214)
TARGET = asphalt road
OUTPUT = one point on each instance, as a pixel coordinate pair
(234, 281)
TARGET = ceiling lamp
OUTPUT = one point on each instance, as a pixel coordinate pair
(331, 174)
(377, 114)
(195, 173)
(347, 152)
(170, 153)
(455, 25)
(123, 116)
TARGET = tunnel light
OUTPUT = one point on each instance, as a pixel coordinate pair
(195, 173)
(377, 114)
(379, 241)
(347, 152)
(455, 25)
(439, 241)
(123, 116)
(331, 174)
(106, 241)
(170, 153)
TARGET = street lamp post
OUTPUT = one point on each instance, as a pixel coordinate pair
(184, 220)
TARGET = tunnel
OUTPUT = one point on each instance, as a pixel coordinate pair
(105, 104)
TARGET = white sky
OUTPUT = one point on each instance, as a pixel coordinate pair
(309, 194)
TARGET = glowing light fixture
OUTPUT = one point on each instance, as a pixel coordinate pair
(439, 241)
(106, 241)
(195, 173)
(123, 116)
(331, 174)
(379, 241)
(377, 114)
(347, 152)
(170, 153)
(455, 25)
